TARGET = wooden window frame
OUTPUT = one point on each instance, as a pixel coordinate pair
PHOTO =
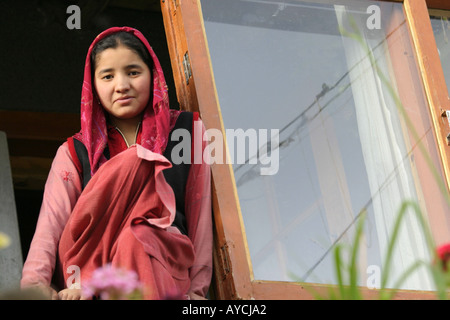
(233, 276)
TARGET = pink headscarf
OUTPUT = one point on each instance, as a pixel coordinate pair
(158, 119)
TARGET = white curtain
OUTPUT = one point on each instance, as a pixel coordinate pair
(385, 153)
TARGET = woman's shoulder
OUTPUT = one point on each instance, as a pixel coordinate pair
(63, 150)
(63, 155)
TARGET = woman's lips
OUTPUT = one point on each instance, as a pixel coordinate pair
(124, 100)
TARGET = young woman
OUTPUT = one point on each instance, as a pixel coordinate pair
(113, 196)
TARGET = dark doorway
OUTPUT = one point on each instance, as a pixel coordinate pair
(42, 62)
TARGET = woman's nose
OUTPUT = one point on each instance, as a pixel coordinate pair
(122, 84)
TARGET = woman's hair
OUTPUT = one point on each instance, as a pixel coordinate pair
(121, 38)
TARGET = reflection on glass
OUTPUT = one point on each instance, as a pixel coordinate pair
(344, 145)
(441, 29)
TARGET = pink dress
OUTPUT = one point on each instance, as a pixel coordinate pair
(125, 213)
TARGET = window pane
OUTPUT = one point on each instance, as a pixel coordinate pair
(441, 29)
(350, 113)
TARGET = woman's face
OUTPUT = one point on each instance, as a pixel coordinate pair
(122, 81)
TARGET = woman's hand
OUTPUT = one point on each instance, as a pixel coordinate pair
(47, 292)
(70, 294)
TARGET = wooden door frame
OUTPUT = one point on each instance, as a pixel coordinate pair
(233, 276)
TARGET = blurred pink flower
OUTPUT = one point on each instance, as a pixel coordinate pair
(112, 283)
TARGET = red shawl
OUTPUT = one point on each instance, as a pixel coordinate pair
(122, 218)
(158, 118)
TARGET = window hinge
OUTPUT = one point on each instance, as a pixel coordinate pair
(446, 114)
(187, 67)
(225, 257)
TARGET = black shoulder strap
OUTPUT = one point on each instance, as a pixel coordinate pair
(83, 157)
(177, 175)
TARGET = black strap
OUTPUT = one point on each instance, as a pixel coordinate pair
(177, 175)
(84, 161)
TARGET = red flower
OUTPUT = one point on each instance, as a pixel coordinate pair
(443, 253)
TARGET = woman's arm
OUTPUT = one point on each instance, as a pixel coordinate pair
(62, 190)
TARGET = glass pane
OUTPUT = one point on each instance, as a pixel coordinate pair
(441, 29)
(339, 85)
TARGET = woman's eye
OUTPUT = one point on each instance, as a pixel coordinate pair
(107, 77)
(133, 73)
